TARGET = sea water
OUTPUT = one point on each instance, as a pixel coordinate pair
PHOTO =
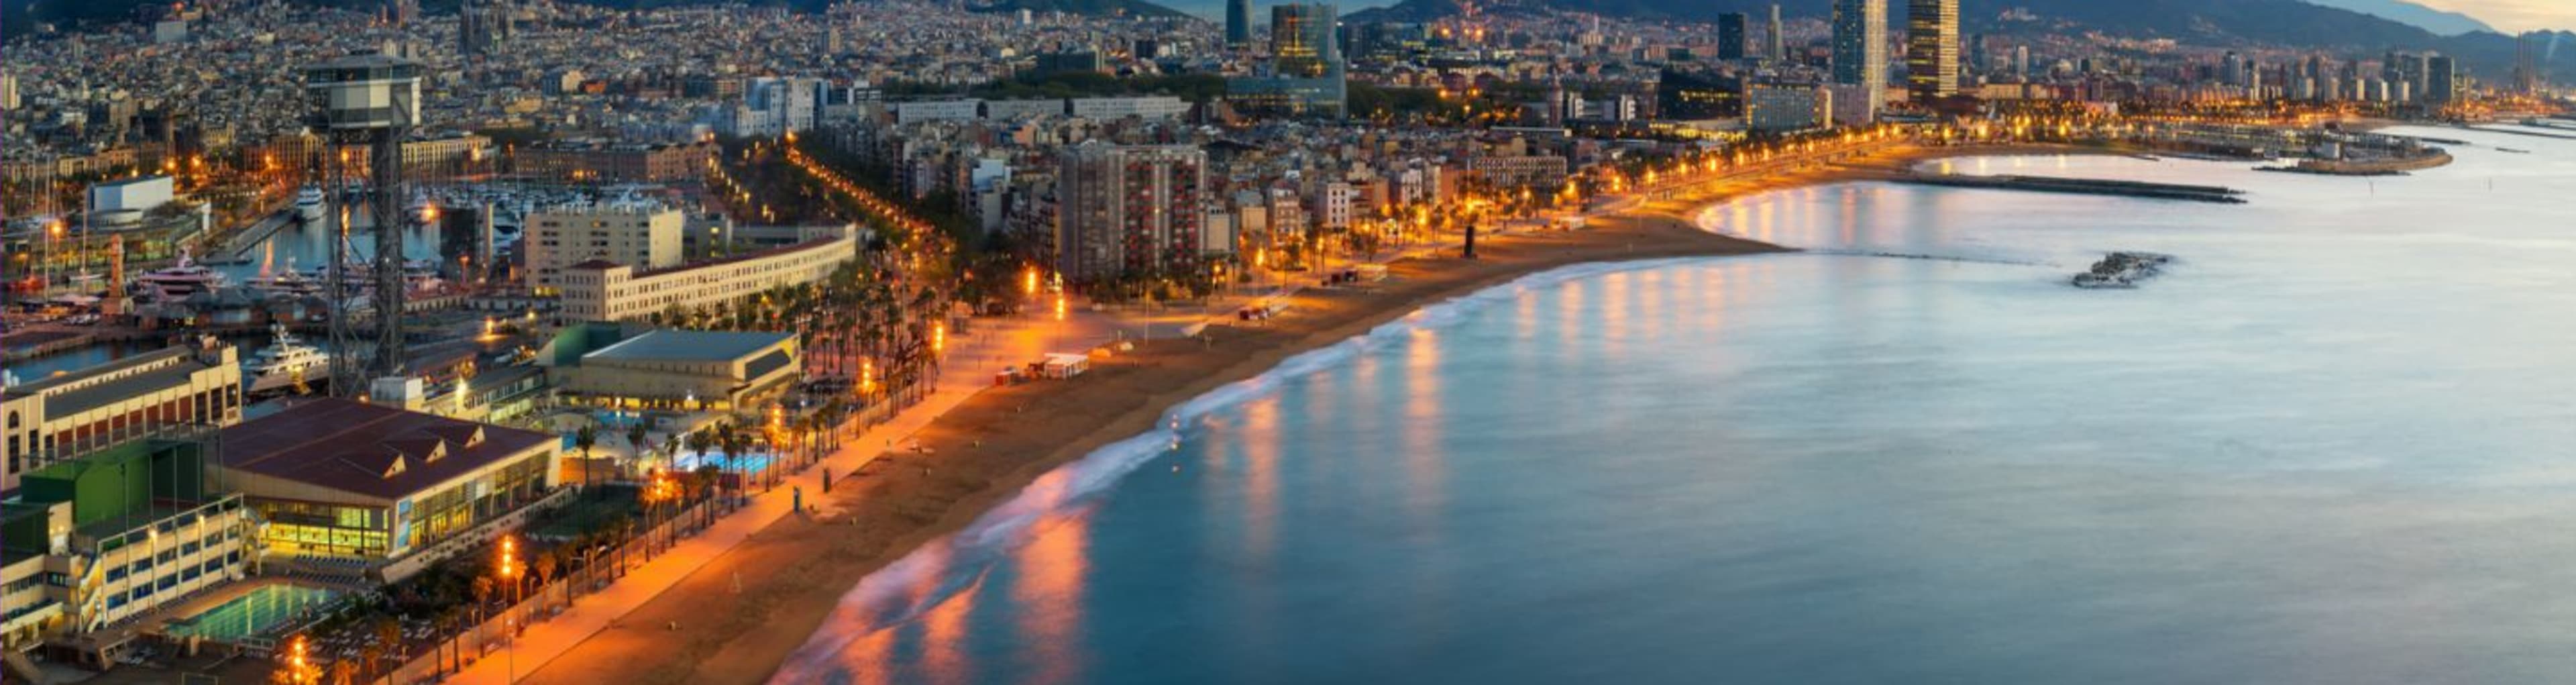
(2335, 442)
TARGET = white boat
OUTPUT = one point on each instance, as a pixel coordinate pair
(308, 203)
(176, 283)
(286, 283)
(285, 361)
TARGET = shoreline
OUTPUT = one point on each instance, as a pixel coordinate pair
(742, 615)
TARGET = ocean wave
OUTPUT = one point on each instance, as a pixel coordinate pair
(954, 564)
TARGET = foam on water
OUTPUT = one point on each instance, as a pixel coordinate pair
(891, 596)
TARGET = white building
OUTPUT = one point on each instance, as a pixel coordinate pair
(604, 291)
(937, 110)
(1333, 205)
(1148, 107)
(640, 234)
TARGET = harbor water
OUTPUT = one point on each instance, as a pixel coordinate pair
(2328, 444)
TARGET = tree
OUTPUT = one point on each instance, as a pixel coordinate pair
(389, 637)
(584, 439)
(635, 438)
(482, 595)
(545, 565)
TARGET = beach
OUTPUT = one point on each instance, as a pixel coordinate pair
(739, 617)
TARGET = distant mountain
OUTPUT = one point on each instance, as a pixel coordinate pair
(2287, 22)
(2411, 14)
(2291, 23)
(18, 17)
(1091, 8)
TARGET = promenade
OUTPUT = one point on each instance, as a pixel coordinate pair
(969, 368)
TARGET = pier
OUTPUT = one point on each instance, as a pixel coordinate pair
(237, 249)
(2081, 186)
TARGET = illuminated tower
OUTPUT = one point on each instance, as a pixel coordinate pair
(367, 102)
(1932, 49)
(1860, 48)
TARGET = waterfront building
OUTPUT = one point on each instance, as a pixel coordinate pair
(1519, 171)
(133, 195)
(1129, 210)
(604, 290)
(624, 367)
(390, 488)
(67, 415)
(1780, 108)
(1860, 48)
(116, 534)
(641, 234)
(1932, 49)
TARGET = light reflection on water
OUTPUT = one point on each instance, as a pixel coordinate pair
(2328, 447)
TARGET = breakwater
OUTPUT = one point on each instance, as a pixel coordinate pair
(2083, 186)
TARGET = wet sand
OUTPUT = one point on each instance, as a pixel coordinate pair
(794, 572)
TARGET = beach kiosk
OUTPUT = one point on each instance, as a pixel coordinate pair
(1059, 365)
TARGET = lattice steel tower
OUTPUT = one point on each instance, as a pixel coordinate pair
(368, 102)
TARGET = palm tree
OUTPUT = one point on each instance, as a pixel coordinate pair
(388, 635)
(545, 565)
(635, 438)
(585, 439)
(482, 595)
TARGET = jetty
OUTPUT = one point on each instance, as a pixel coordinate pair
(2513, 132)
(2082, 186)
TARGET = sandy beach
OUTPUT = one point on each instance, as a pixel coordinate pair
(740, 616)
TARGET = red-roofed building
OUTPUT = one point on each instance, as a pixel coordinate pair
(340, 478)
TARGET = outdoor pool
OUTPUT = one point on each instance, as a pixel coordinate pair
(254, 613)
(754, 462)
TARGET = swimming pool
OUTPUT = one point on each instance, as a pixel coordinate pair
(748, 463)
(254, 613)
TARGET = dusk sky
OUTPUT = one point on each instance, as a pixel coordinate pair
(2515, 15)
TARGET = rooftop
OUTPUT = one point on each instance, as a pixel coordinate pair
(746, 256)
(663, 344)
(80, 391)
(368, 449)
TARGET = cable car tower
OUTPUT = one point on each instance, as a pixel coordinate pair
(370, 102)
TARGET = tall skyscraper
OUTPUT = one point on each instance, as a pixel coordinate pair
(1932, 49)
(1238, 23)
(1301, 40)
(2441, 79)
(1860, 48)
(1731, 35)
(1776, 48)
(1130, 210)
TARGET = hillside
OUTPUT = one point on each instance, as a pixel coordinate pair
(2437, 21)
(19, 16)
(1095, 8)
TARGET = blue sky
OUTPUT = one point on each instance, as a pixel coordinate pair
(2514, 15)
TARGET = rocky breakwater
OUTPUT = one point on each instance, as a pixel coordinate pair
(2123, 270)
